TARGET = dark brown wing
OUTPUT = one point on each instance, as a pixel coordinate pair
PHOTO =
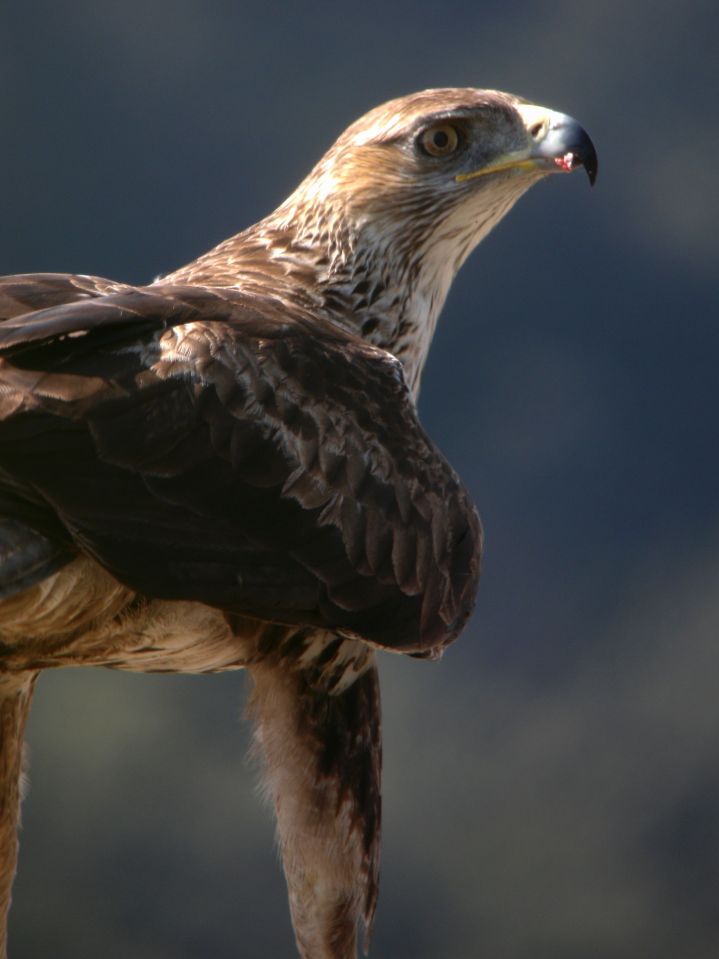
(28, 292)
(204, 445)
(26, 555)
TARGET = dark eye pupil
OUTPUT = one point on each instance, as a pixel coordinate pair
(440, 139)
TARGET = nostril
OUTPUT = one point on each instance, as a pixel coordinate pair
(537, 129)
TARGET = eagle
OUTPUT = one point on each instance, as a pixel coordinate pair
(224, 469)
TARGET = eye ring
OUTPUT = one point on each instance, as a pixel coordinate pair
(439, 140)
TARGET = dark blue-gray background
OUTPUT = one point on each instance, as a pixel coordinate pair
(552, 787)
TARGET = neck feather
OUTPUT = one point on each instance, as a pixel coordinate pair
(388, 300)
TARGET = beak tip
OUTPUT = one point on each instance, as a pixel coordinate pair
(584, 152)
(591, 164)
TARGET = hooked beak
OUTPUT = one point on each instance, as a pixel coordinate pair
(556, 143)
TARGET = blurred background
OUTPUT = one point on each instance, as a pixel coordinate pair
(552, 787)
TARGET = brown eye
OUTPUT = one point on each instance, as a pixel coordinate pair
(440, 140)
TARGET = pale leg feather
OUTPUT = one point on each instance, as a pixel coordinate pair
(15, 696)
(321, 753)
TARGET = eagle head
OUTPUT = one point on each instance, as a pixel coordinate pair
(396, 205)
